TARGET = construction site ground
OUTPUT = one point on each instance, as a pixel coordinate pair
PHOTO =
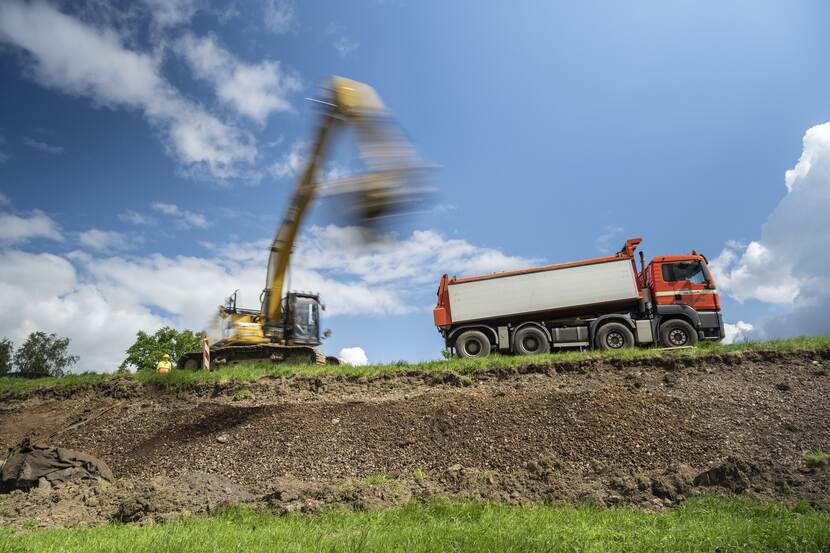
(645, 431)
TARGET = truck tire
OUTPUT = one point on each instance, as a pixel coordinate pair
(677, 333)
(472, 343)
(614, 336)
(530, 340)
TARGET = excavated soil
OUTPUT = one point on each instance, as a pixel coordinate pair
(646, 432)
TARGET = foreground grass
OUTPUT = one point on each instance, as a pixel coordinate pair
(702, 524)
(252, 371)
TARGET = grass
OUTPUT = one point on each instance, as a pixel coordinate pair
(378, 480)
(702, 524)
(462, 367)
(816, 458)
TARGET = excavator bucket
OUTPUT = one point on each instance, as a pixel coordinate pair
(394, 183)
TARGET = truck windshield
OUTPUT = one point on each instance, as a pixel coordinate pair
(305, 320)
(691, 271)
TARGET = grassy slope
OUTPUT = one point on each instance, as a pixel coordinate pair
(250, 372)
(702, 524)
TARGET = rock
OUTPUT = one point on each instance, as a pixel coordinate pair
(222, 438)
(783, 386)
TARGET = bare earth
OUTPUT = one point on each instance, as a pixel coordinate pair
(645, 432)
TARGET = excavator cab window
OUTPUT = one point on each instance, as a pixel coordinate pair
(305, 320)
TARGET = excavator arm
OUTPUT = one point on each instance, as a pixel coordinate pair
(378, 193)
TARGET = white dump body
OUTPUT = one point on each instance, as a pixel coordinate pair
(550, 289)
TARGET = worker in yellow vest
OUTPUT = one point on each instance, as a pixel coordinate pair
(164, 366)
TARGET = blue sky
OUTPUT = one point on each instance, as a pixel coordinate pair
(148, 149)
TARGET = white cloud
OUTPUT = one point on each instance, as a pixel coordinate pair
(787, 264)
(42, 146)
(353, 356)
(391, 258)
(104, 240)
(279, 15)
(254, 90)
(291, 161)
(169, 13)
(135, 218)
(81, 59)
(343, 43)
(57, 300)
(4, 200)
(183, 218)
(100, 300)
(15, 229)
(738, 332)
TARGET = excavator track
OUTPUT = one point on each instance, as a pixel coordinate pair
(264, 353)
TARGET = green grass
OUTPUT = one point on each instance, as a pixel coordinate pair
(702, 524)
(462, 367)
(816, 458)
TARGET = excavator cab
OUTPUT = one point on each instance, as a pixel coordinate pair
(303, 318)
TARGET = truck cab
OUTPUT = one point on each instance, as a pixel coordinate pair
(680, 284)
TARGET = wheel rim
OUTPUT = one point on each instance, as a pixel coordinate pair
(614, 340)
(472, 347)
(678, 337)
(530, 343)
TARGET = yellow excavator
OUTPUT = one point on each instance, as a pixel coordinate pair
(287, 329)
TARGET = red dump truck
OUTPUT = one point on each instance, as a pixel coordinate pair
(603, 303)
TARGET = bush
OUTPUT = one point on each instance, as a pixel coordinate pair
(148, 349)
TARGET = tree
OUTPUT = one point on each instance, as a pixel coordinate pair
(147, 349)
(46, 354)
(6, 349)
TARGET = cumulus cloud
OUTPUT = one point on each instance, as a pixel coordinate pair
(353, 356)
(392, 258)
(58, 300)
(100, 299)
(42, 146)
(253, 90)
(85, 60)
(787, 265)
(183, 218)
(738, 332)
(279, 15)
(104, 240)
(15, 229)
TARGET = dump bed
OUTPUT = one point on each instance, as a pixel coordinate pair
(567, 288)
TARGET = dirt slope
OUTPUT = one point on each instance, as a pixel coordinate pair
(608, 432)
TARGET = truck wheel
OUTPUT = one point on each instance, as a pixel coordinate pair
(530, 340)
(676, 333)
(472, 344)
(614, 336)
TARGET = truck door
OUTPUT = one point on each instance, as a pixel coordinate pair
(685, 282)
